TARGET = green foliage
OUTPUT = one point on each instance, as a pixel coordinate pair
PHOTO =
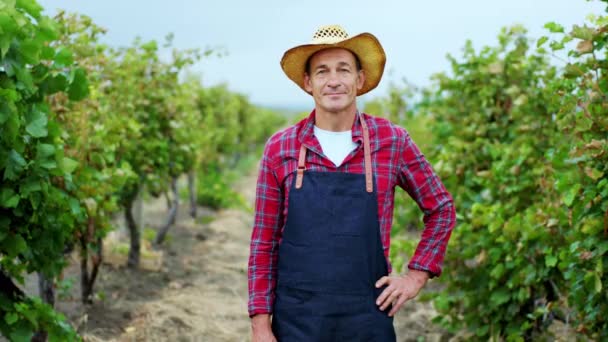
(494, 127)
(402, 248)
(64, 287)
(145, 91)
(238, 127)
(522, 147)
(213, 189)
(37, 212)
(233, 129)
(580, 162)
(93, 132)
(82, 127)
(215, 185)
(22, 319)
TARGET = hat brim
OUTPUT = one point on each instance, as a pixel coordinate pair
(365, 46)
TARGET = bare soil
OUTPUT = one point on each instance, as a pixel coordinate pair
(200, 293)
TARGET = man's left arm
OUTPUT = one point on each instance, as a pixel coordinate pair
(417, 177)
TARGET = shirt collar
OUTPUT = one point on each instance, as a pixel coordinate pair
(307, 136)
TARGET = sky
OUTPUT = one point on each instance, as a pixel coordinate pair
(416, 35)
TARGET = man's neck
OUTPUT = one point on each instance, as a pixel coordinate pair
(335, 122)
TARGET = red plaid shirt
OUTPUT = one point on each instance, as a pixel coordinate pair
(396, 160)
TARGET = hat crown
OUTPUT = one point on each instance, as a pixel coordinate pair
(329, 34)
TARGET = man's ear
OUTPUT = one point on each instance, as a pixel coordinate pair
(307, 83)
(361, 79)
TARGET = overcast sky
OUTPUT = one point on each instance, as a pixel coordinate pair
(416, 35)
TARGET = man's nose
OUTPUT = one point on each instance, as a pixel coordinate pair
(333, 80)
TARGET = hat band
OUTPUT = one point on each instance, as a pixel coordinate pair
(327, 40)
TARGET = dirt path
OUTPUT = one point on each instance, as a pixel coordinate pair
(201, 292)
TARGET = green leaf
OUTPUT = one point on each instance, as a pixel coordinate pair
(14, 244)
(12, 202)
(498, 271)
(7, 25)
(68, 165)
(5, 111)
(47, 53)
(598, 284)
(15, 165)
(29, 187)
(556, 46)
(36, 122)
(75, 206)
(79, 86)
(150, 46)
(583, 123)
(63, 58)
(602, 248)
(11, 317)
(30, 51)
(7, 4)
(25, 78)
(8, 198)
(21, 20)
(550, 260)
(569, 197)
(554, 27)
(54, 128)
(48, 164)
(582, 32)
(541, 41)
(482, 330)
(10, 94)
(31, 7)
(572, 71)
(11, 131)
(22, 333)
(5, 44)
(47, 29)
(45, 150)
(499, 297)
(31, 311)
(55, 84)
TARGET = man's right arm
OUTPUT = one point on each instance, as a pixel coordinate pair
(265, 238)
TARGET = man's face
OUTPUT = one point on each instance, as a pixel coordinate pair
(334, 80)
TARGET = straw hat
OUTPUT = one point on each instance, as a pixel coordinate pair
(365, 46)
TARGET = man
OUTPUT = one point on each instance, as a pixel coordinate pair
(324, 205)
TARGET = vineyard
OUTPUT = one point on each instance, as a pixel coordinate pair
(517, 131)
(86, 130)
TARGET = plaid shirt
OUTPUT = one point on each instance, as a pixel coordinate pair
(396, 160)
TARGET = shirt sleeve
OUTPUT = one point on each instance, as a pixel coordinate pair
(417, 177)
(265, 237)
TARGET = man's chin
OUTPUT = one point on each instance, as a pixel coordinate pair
(334, 107)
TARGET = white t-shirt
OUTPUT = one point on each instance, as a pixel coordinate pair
(336, 145)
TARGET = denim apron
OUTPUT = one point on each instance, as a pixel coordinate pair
(330, 258)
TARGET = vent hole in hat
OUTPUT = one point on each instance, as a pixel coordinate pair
(330, 31)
